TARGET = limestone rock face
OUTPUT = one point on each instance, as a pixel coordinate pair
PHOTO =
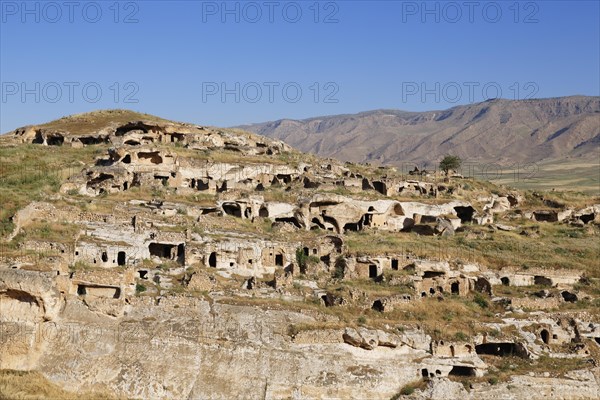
(445, 389)
(184, 347)
(205, 263)
(201, 283)
(29, 296)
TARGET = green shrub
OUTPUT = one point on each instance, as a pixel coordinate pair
(139, 288)
(450, 163)
(292, 330)
(480, 301)
(407, 390)
(301, 259)
(340, 268)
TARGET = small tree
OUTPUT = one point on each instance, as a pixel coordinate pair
(340, 268)
(450, 163)
(301, 259)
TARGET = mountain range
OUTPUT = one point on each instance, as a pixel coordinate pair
(500, 131)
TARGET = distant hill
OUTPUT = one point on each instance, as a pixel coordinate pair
(500, 131)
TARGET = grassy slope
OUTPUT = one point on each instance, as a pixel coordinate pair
(94, 121)
(34, 172)
(575, 175)
(559, 246)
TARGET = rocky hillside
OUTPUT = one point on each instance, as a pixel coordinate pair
(146, 258)
(502, 131)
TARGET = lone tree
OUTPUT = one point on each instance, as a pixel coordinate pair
(450, 163)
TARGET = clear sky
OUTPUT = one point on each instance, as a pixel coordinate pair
(228, 63)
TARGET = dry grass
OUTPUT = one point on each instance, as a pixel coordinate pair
(558, 246)
(34, 172)
(503, 369)
(447, 319)
(410, 388)
(94, 121)
(25, 385)
(56, 232)
(442, 319)
(563, 175)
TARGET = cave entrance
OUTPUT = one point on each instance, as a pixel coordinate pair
(212, 260)
(181, 253)
(459, 370)
(433, 274)
(545, 216)
(162, 250)
(328, 300)
(587, 218)
(168, 251)
(39, 138)
(232, 209)
(351, 226)
(56, 140)
(152, 157)
(279, 260)
(455, 288)
(121, 258)
(568, 296)
(380, 187)
(465, 213)
(87, 140)
(373, 272)
(505, 281)
(545, 335)
(483, 285)
(542, 280)
(502, 349)
(378, 306)
(177, 137)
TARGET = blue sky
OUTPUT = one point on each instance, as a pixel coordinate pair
(231, 63)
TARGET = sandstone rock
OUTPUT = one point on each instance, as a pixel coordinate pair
(201, 282)
(500, 204)
(363, 338)
(352, 337)
(445, 389)
(369, 338)
(444, 227)
(387, 340)
(503, 227)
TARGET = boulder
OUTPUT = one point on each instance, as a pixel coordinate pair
(500, 204)
(444, 389)
(444, 227)
(503, 227)
(352, 337)
(387, 339)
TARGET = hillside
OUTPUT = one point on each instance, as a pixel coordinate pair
(147, 258)
(505, 132)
